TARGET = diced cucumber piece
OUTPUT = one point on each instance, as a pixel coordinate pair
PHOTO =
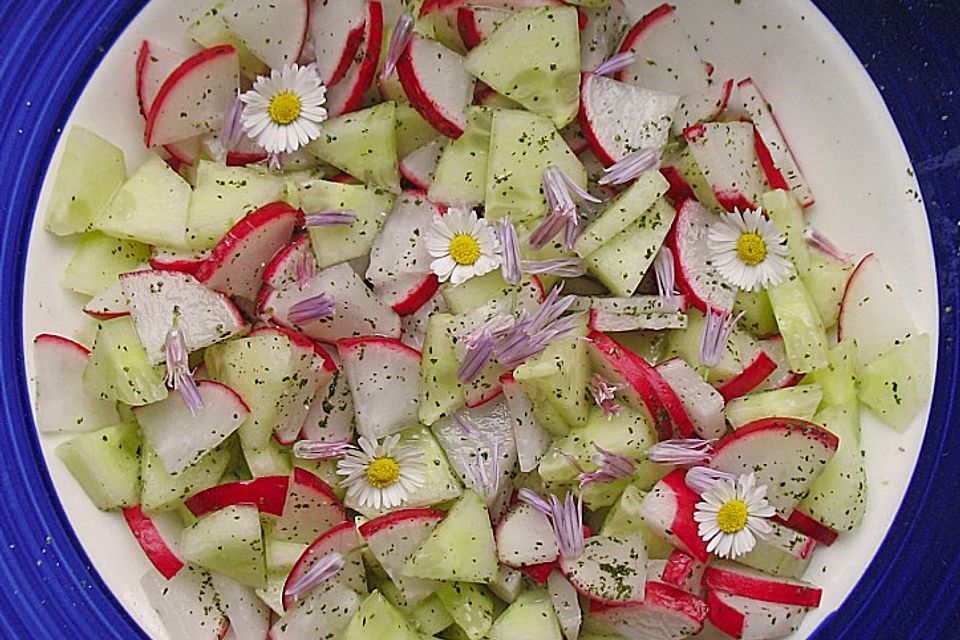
(162, 491)
(229, 541)
(209, 30)
(364, 144)
(685, 343)
(784, 211)
(440, 391)
(339, 243)
(800, 325)
(624, 520)
(91, 170)
(621, 263)
(461, 175)
(649, 345)
(119, 369)
(461, 547)
(475, 292)
(411, 129)
(838, 379)
(272, 593)
(99, 259)
(792, 402)
(150, 207)
(470, 606)
(222, 196)
(270, 459)
(534, 59)
(622, 212)
(758, 317)
(280, 555)
(530, 616)
(522, 145)
(557, 380)
(826, 279)
(782, 552)
(687, 165)
(896, 385)
(428, 616)
(106, 464)
(837, 497)
(377, 619)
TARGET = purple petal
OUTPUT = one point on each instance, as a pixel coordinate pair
(319, 450)
(578, 191)
(311, 309)
(510, 244)
(630, 167)
(816, 239)
(682, 452)
(548, 229)
(324, 569)
(535, 500)
(567, 521)
(306, 267)
(178, 373)
(665, 269)
(232, 131)
(615, 63)
(476, 357)
(331, 217)
(604, 394)
(562, 267)
(716, 334)
(702, 479)
(399, 40)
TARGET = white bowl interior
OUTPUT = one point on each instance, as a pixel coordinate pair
(833, 117)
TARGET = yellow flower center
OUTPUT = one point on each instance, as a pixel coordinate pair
(285, 107)
(383, 472)
(732, 516)
(464, 249)
(751, 248)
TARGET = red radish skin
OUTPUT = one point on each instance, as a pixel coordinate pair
(805, 524)
(469, 30)
(337, 29)
(730, 198)
(448, 119)
(770, 170)
(679, 188)
(372, 527)
(281, 271)
(157, 550)
(738, 580)
(663, 11)
(681, 569)
(666, 612)
(343, 539)
(197, 64)
(269, 493)
(751, 619)
(749, 379)
(310, 508)
(52, 338)
(540, 572)
(684, 526)
(347, 95)
(418, 296)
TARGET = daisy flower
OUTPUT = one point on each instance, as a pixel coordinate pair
(732, 514)
(284, 110)
(462, 246)
(748, 251)
(381, 476)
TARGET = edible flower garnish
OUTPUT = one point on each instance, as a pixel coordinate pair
(531, 333)
(630, 167)
(816, 239)
(565, 517)
(612, 466)
(331, 217)
(682, 452)
(560, 267)
(562, 215)
(731, 515)
(615, 63)
(510, 246)
(399, 39)
(311, 309)
(604, 394)
(483, 472)
(306, 268)
(324, 569)
(716, 334)
(481, 346)
(232, 131)
(381, 475)
(701, 479)
(179, 375)
(665, 270)
(320, 450)
(748, 251)
(284, 110)
(462, 246)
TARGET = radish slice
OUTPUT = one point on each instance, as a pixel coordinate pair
(249, 616)
(187, 604)
(193, 98)
(668, 510)
(236, 264)
(62, 403)
(384, 378)
(752, 376)
(749, 619)
(782, 376)
(526, 538)
(275, 32)
(475, 24)
(679, 570)
(155, 63)
(703, 403)
(532, 440)
(347, 95)
(437, 84)
(327, 610)
(337, 33)
(310, 509)
(726, 154)
(566, 604)
(180, 437)
(736, 579)
(666, 613)
(109, 303)
(331, 414)
(176, 260)
(269, 493)
(158, 551)
(808, 526)
(601, 35)
(610, 570)
(418, 166)
(293, 263)
(696, 275)
(204, 317)
(786, 454)
(343, 539)
(393, 538)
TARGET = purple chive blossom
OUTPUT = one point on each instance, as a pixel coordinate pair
(665, 269)
(684, 452)
(566, 518)
(630, 167)
(483, 472)
(604, 394)
(716, 334)
(510, 245)
(480, 346)
(275, 161)
(306, 268)
(465, 428)
(315, 308)
(532, 333)
(320, 450)
(613, 466)
(819, 241)
(232, 131)
(399, 40)
(615, 63)
(561, 267)
(562, 217)
(331, 217)
(324, 569)
(178, 371)
(701, 479)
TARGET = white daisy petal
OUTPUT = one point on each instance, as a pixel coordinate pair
(357, 464)
(457, 264)
(723, 241)
(279, 136)
(729, 504)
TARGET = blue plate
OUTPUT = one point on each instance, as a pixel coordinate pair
(51, 47)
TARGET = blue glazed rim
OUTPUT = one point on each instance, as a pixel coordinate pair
(48, 588)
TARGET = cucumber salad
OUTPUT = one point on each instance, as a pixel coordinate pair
(483, 319)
